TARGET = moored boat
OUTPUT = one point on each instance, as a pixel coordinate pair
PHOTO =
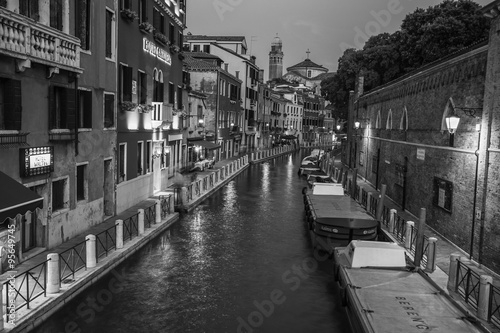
(382, 293)
(335, 219)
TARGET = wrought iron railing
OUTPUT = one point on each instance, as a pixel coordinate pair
(197, 188)
(165, 206)
(189, 194)
(205, 183)
(150, 215)
(105, 241)
(131, 227)
(467, 284)
(494, 306)
(26, 287)
(72, 260)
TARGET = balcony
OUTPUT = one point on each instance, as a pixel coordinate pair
(24, 39)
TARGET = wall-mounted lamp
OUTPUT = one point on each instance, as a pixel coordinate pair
(453, 120)
(357, 124)
(338, 127)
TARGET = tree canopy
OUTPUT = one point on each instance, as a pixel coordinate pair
(426, 35)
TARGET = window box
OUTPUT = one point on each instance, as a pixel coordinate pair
(13, 138)
(159, 37)
(128, 106)
(129, 14)
(146, 27)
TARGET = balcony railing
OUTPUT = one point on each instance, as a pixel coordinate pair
(22, 38)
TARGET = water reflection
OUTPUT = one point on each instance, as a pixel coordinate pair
(239, 262)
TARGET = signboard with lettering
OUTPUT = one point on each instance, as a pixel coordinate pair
(420, 154)
(36, 161)
(156, 51)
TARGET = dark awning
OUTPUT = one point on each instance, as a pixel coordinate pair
(289, 137)
(15, 198)
(205, 144)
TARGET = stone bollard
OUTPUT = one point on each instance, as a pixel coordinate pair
(368, 201)
(53, 282)
(409, 233)
(483, 302)
(392, 220)
(119, 234)
(90, 251)
(140, 222)
(452, 273)
(431, 255)
(158, 211)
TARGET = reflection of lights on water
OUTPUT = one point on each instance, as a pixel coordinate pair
(265, 179)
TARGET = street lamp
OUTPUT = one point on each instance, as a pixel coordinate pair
(338, 127)
(357, 124)
(452, 125)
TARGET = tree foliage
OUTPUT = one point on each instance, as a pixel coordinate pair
(426, 35)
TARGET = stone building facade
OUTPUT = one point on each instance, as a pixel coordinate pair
(403, 142)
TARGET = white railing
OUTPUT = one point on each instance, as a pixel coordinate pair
(37, 42)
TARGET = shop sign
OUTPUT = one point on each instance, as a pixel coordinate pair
(156, 51)
(420, 154)
(36, 161)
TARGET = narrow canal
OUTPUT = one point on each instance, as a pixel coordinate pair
(240, 262)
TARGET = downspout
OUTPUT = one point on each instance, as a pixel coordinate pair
(77, 114)
(217, 101)
(245, 113)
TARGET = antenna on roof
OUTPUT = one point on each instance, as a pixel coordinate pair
(308, 53)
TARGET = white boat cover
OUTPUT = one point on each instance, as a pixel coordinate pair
(401, 301)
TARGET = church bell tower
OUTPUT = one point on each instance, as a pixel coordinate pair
(276, 59)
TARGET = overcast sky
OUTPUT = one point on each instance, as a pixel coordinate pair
(325, 27)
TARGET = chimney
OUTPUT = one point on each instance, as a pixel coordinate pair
(226, 67)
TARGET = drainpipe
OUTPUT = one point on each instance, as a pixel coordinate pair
(217, 101)
(77, 116)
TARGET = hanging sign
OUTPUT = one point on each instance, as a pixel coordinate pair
(36, 161)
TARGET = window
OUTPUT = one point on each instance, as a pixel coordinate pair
(29, 8)
(56, 13)
(443, 193)
(126, 83)
(62, 108)
(158, 86)
(143, 10)
(60, 194)
(171, 93)
(171, 34)
(85, 103)
(199, 113)
(125, 4)
(10, 104)
(309, 73)
(81, 182)
(180, 40)
(122, 160)
(149, 157)
(143, 87)
(83, 23)
(158, 21)
(162, 159)
(206, 48)
(109, 110)
(179, 98)
(196, 48)
(140, 158)
(110, 34)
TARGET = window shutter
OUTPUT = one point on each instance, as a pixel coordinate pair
(13, 106)
(87, 113)
(161, 91)
(69, 105)
(52, 108)
(109, 101)
(127, 84)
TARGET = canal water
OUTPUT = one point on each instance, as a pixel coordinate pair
(241, 261)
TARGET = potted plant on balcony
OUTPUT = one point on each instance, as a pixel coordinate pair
(128, 106)
(159, 37)
(145, 108)
(174, 48)
(146, 27)
(129, 14)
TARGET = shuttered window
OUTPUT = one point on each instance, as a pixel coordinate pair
(61, 108)
(10, 104)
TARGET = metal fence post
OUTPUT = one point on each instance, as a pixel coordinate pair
(452, 273)
(90, 251)
(392, 220)
(431, 255)
(119, 234)
(140, 222)
(409, 231)
(53, 282)
(483, 301)
(158, 211)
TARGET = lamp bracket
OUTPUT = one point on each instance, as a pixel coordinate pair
(470, 112)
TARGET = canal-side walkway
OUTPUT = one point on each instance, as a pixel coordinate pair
(466, 276)
(33, 298)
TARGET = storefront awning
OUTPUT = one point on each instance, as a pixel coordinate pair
(16, 199)
(205, 144)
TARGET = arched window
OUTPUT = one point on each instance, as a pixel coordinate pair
(403, 124)
(378, 121)
(157, 85)
(388, 124)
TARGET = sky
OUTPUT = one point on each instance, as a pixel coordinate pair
(324, 27)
